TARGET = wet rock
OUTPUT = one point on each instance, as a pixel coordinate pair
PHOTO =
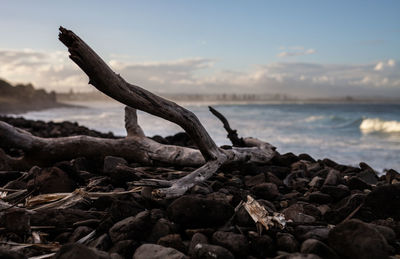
(6, 176)
(286, 242)
(174, 241)
(111, 163)
(285, 159)
(17, 220)
(320, 198)
(332, 178)
(194, 211)
(384, 201)
(336, 192)
(251, 181)
(392, 175)
(344, 208)
(161, 228)
(386, 232)
(355, 183)
(152, 251)
(306, 157)
(197, 238)
(78, 251)
(268, 191)
(102, 243)
(52, 180)
(131, 227)
(270, 177)
(206, 251)
(316, 182)
(303, 232)
(242, 218)
(121, 208)
(356, 239)
(296, 213)
(125, 248)
(78, 233)
(262, 246)
(314, 246)
(236, 243)
(7, 254)
(298, 256)
(367, 174)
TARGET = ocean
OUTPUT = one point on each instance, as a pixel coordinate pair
(346, 133)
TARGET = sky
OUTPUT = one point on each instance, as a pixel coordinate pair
(301, 48)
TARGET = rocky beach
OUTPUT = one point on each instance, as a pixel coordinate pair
(91, 208)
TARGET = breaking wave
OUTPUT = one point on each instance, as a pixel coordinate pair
(372, 125)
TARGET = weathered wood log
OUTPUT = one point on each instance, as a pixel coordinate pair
(135, 146)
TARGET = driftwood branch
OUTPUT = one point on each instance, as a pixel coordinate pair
(232, 134)
(135, 146)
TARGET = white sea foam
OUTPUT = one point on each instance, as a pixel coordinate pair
(314, 118)
(371, 125)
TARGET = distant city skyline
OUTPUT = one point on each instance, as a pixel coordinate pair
(301, 48)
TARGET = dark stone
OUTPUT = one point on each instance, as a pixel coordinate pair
(7, 254)
(303, 232)
(346, 206)
(197, 238)
(131, 228)
(52, 180)
(236, 243)
(332, 178)
(298, 256)
(62, 218)
(161, 228)
(287, 242)
(320, 198)
(355, 183)
(125, 248)
(122, 208)
(314, 246)
(262, 246)
(78, 233)
(111, 163)
(270, 177)
(6, 176)
(194, 211)
(306, 157)
(174, 241)
(367, 174)
(268, 191)
(391, 175)
(152, 251)
(336, 192)
(251, 181)
(285, 159)
(102, 243)
(356, 239)
(384, 201)
(78, 251)
(386, 232)
(206, 251)
(296, 213)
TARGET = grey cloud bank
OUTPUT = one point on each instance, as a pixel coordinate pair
(54, 71)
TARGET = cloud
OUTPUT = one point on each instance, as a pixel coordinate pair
(295, 51)
(54, 71)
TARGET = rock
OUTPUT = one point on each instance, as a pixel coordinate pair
(152, 251)
(206, 251)
(332, 178)
(174, 241)
(121, 208)
(287, 242)
(78, 233)
(306, 157)
(251, 181)
(296, 213)
(355, 183)
(111, 162)
(303, 232)
(7, 254)
(316, 182)
(197, 238)
(391, 175)
(314, 246)
(268, 191)
(343, 209)
(125, 248)
(194, 211)
(298, 256)
(242, 218)
(262, 246)
(236, 243)
(161, 228)
(320, 198)
(384, 201)
(270, 177)
(285, 159)
(367, 174)
(336, 192)
(386, 232)
(17, 220)
(356, 239)
(102, 243)
(6, 176)
(78, 251)
(131, 227)
(52, 180)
